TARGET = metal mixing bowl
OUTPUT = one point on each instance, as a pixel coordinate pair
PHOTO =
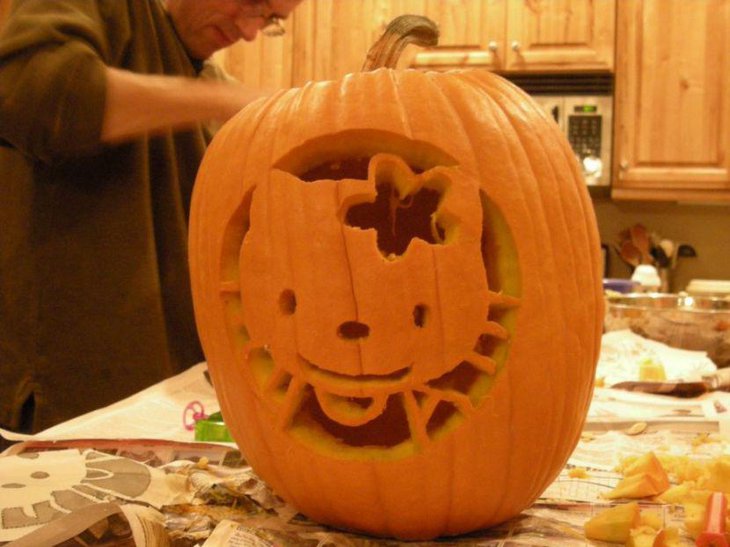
(678, 320)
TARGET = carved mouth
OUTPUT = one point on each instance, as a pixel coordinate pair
(347, 385)
(413, 415)
(398, 415)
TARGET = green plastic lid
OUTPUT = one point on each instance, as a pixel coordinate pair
(212, 429)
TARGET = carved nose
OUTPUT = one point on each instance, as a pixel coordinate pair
(353, 330)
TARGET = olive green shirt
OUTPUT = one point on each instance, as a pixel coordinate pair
(94, 289)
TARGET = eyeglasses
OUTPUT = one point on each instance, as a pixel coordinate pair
(273, 26)
(257, 9)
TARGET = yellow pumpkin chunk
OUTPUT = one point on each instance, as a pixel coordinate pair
(648, 463)
(642, 478)
(652, 518)
(718, 479)
(677, 494)
(667, 537)
(651, 371)
(637, 486)
(644, 536)
(694, 518)
(578, 473)
(614, 524)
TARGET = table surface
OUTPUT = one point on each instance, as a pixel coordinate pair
(149, 429)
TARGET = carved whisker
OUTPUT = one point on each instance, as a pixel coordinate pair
(492, 328)
(501, 300)
(482, 362)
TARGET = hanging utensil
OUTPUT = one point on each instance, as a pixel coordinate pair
(640, 238)
(629, 253)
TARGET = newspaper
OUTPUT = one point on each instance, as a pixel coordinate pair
(102, 524)
(227, 505)
(157, 412)
(623, 350)
(48, 485)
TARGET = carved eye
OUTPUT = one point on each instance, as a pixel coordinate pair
(287, 302)
(406, 207)
(420, 314)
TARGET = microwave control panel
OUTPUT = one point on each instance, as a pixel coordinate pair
(586, 121)
(584, 131)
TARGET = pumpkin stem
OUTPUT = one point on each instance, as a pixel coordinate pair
(401, 31)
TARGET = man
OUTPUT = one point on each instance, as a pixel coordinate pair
(102, 115)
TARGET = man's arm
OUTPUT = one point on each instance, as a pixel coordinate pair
(138, 104)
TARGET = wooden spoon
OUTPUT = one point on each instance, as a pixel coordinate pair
(640, 239)
(629, 253)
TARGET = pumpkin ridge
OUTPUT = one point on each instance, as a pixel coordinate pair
(483, 82)
(537, 481)
(353, 291)
(437, 84)
(510, 95)
(580, 194)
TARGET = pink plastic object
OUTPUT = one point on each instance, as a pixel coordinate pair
(714, 533)
(193, 412)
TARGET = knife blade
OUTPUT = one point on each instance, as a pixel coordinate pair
(718, 380)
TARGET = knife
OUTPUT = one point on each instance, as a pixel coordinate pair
(718, 380)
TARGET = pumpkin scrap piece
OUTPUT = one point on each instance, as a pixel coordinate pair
(652, 371)
(645, 536)
(718, 478)
(642, 478)
(614, 524)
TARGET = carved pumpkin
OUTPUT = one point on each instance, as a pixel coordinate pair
(397, 286)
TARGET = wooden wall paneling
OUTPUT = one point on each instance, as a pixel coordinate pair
(264, 63)
(333, 37)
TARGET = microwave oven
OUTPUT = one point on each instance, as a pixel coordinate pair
(582, 106)
(586, 121)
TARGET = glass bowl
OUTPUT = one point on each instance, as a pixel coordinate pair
(677, 320)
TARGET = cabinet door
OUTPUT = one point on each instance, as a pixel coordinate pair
(471, 34)
(559, 35)
(672, 132)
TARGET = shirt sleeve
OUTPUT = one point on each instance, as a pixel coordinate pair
(52, 78)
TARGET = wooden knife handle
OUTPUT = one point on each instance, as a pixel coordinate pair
(719, 379)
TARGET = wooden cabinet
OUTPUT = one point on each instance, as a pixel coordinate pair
(327, 39)
(672, 106)
(527, 36)
(573, 35)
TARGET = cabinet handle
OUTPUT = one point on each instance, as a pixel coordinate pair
(624, 165)
(493, 46)
(515, 46)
